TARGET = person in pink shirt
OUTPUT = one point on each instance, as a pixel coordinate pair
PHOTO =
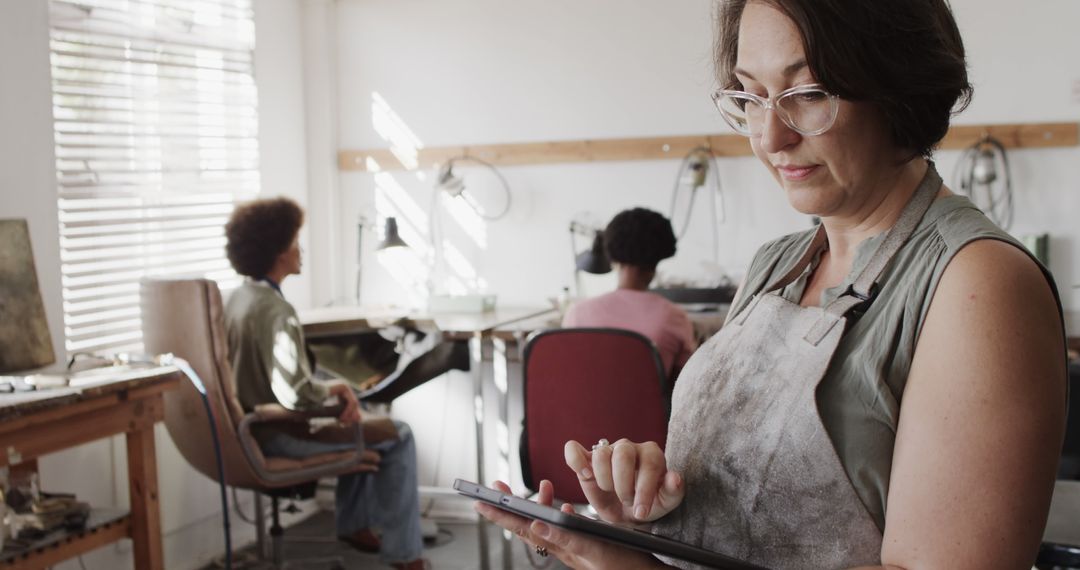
(636, 241)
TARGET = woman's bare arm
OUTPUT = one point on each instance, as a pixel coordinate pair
(982, 419)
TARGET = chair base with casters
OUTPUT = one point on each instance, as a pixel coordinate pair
(272, 552)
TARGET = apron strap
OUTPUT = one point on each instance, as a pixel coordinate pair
(816, 244)
(865, 287)
(812, 249)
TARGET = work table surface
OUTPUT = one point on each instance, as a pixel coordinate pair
(87, 385)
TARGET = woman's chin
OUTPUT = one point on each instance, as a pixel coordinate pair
(806, 201)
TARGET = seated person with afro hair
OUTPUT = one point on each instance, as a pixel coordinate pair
(271, 365)
(636, 241)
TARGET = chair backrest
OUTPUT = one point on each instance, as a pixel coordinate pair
(185, 317)
(1069, 465)
(585, 384)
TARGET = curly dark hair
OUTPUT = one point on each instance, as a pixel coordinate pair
(639, 237)
(259, 231)
(904, 56)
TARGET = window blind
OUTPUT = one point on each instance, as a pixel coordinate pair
(155, 122)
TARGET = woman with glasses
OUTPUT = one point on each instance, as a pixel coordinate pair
(889, 388)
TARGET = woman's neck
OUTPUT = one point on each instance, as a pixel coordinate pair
(879, 213)
(635, 278)
(276, 276)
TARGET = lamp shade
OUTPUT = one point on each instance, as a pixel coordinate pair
(595, 260)
(392, 239)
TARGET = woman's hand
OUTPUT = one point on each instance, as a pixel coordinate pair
(573, 549)
(351, 414)
(626, 482)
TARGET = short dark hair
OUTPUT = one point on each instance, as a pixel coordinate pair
(259, 231)
(639, 237)
(905, 56)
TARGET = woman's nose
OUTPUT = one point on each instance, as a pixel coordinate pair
(776, 135)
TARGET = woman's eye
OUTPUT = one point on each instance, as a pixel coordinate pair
(810, 96)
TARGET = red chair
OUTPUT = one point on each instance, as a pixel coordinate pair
(585, 384)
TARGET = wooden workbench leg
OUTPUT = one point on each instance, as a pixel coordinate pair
(145, 510)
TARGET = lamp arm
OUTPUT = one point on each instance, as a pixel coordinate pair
(498, 174)
(574, 228)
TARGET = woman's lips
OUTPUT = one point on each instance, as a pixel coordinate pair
(796, 173)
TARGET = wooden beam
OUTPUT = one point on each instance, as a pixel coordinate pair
(658, 148)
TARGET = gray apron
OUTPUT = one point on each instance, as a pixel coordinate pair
(763, 480)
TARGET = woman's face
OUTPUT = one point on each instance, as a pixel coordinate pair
(831, 174)
(290, 259)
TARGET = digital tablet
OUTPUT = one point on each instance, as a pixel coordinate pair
(622, 535)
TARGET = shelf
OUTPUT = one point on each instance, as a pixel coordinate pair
(102, 527)
(1021, 135)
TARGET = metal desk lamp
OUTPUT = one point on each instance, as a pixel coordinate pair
(593, 260)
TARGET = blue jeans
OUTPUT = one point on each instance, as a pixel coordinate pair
(388, 499)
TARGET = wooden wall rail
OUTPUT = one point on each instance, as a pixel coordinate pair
(961, 136)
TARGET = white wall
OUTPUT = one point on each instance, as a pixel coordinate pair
(27, 168)
(190, 508)
(279, 76)
(484, 71)
(468, 72)
(487, 71)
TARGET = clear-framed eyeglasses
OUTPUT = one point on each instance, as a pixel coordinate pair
(808, 109)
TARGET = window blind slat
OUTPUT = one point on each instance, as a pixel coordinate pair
(78, 261)
(156, 130)
(79, 309)
(163, 269)
(102, 317)
(137, 230)
(104, 269)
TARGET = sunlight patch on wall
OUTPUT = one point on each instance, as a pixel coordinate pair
(404, 144)
(409, 271)
(466, 218)
(458, 268)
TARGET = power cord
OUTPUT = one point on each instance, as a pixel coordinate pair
(167, 360)
(699, 161)
(978, 169)
(170, 360)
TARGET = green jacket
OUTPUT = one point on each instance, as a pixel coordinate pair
(267, 350)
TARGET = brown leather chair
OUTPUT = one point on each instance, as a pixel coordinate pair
(185, 317)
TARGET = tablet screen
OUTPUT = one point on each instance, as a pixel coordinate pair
(622, 535)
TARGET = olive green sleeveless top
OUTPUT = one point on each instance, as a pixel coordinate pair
(859, 397)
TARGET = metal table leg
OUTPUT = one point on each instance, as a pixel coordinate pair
(476, 353)
(501, 376)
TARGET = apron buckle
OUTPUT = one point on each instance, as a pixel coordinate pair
(865, 299)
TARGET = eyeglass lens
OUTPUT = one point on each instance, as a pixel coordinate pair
(807, 111)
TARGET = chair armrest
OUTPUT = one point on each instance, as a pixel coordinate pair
(278, 413)
(370, 460)
(364, 459)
